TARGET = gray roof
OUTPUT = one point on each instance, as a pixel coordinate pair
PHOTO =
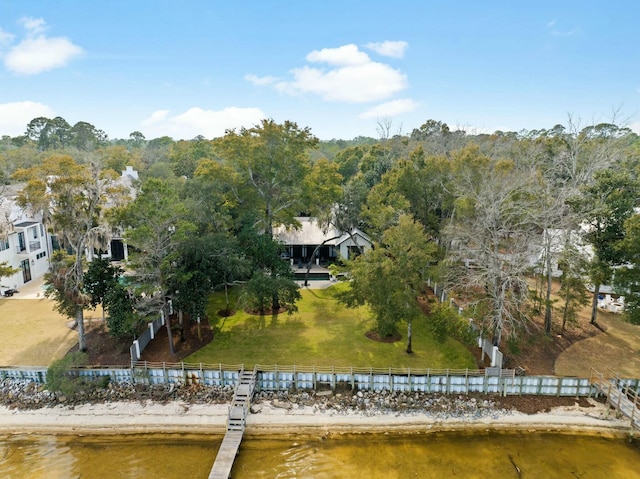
(309, 233)
(25, 224)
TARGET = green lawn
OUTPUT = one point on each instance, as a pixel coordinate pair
(321, 333)
(33, 334)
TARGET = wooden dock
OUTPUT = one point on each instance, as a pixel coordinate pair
(624, 400)
(235, 426)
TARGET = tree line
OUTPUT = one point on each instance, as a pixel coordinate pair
(487, 214)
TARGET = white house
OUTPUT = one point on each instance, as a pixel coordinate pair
(24, 242)
(301, 242)
(117, 249)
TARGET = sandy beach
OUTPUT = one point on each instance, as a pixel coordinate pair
(179, 417)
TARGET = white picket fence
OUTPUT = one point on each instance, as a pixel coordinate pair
(488, 349)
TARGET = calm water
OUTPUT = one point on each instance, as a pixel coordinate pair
(465, 455)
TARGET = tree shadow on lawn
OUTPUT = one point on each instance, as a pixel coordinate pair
(46, 351)
(615, 349)
(264, 339)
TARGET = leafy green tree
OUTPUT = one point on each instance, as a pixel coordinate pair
(157, 225)
(270, 162)
(209, 198)
(604, 206)
(383, 206)
(390, 276)
(119, 304)
(443, 322)
(266, 266)
(61, 376)
(348, 161)
(424, 181)
(62, 282)
(259, 293)
(6, 269)
(160, 169)
(185, 155)
(137, 139)
(118, 157)
(35, 128)
(23, 156)
(87, 137)
(627, 277)
(157, 151)
(101, 277)
(430, 128)
(207, 262)
(55, 135)
(78, 196)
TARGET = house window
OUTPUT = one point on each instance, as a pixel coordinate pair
(22, 244)
(4, 244)
(41, 230)
(34, 232)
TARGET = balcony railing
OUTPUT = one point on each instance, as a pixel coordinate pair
(33, 246)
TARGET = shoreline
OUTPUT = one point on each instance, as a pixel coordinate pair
(179, 417)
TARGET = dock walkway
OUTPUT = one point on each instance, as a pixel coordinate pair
(624, 400)
(235, 426)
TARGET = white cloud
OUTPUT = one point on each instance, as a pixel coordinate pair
(635, 127)
(393, 49)
(350, 84)
(38, 53)
(15, 116)
(196, 121)
(390, 108)
(341, 56)
(33, 26)
(351, 77)
(6, 38)
(256, 80)
(156, 116)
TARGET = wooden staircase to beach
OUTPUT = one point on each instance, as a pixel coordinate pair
(620, 397)
(235, 425)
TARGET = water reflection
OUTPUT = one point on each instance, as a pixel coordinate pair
(98, 457)
(465, 455)
(372, 456)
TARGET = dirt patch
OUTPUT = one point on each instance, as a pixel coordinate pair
(184, 345)
(537, 352)
(375, 336)
(103, 349)
(535, 404)
(534, 352)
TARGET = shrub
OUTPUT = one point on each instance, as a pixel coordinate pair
(60, 375)
(63, 378)
(445, 322)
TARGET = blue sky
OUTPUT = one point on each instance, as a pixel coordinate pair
(187, 68)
